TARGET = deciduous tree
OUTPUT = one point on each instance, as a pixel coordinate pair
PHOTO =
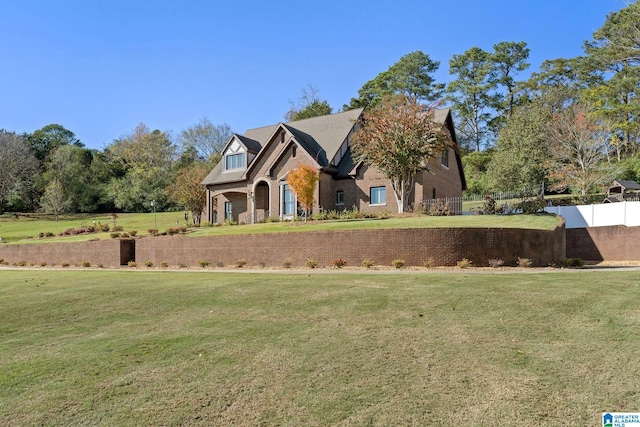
(309, 105)
(44, 141)
(18, 165)
(54, 200)
(399, 137)
(303, 181)
(577, 144)
(187, 189)
(145, 158)
(206, 138)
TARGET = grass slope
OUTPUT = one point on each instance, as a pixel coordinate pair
(175, 348)
(22, 230)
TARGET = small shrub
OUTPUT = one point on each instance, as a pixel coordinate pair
(64, 264)
(1, 260)
(104, 228)
(124, 235)
(241, 263)
(181, 265)
(495, 263)
(100, 265)
(398, 263)
(440, 208)
(133, 233)
(489, 205)
(220, 264)
(339, 263)
(312, 263)
(164, 264)
(464, 263)
(22, 263)
(570, 262)
(430, 263)
(42, 264)
(367, 263)
(31, 263)
(286, 264)
(132, 264)
(524, 262)
(531, 205)
(85, 264)
(203, 263)
(153, 231)
(117, 228)
(273, 219)
(148, 264)
(114, 235)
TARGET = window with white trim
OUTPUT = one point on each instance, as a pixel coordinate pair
(378, 195)
(228, 211)
(234, 161)
(340, 197)
(289, 200)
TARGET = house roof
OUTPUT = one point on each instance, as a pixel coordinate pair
(320, 136)
(627, 185)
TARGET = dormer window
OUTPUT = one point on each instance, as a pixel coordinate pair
(234, 157)
(234, 161)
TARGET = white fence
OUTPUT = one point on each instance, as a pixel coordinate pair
(622, 213)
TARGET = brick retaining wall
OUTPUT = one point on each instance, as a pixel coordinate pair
(445, 246)
(109, 253)
(613, 243)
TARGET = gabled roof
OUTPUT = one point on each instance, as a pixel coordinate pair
(321, 137)
(627, 185)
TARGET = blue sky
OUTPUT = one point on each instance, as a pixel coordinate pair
(99, 68)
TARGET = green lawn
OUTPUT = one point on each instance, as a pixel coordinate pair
(202, 348)
(24, 229)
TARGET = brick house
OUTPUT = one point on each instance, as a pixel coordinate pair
(249, 183)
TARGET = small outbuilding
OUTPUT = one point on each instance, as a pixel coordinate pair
(621, 191)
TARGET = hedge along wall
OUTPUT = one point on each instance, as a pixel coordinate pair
(613, 243)
(109, 253)
(445, 246)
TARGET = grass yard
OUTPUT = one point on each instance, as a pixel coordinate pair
(192, 348)
(23, 230)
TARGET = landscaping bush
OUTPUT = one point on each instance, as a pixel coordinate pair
(117, 228)
(64, 264)
(203, 263)
(440, 208)
(367, 263)
(132, 264)
(148, 264)
(42, 264)
(22, 263)
(524, 262)
(570, 262)
(312, 263)
(286, 264)
(132, 233)
(241, 263)
(114, 235)
(85, 264)
(495, 263)
(430, 263)
(164, 264)
(464, 263)
(398, 263)
(339, 263)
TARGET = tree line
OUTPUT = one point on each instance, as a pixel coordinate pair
(573, 124)
(50, 170)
